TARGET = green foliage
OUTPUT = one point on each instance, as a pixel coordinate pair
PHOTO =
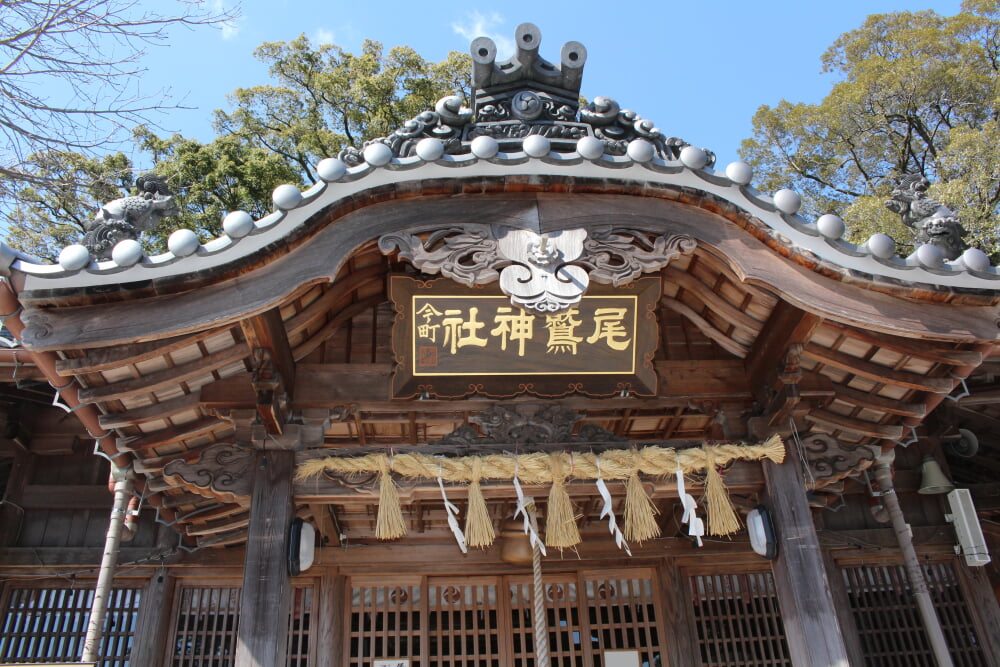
(49, 215)
(326, 99)
(916, 92)
(323, 99)
(209, 180)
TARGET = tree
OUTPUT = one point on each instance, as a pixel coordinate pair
(68, 69)
(916, 93)
(326, 99)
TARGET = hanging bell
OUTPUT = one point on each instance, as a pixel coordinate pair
(515, 545)
(933, 480)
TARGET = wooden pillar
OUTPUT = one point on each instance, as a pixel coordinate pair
(329, 638)
(978, 593)
(842, 601)
(678, 644)
(265, 601)
(807, 609)
(11, 512)
(152, 625)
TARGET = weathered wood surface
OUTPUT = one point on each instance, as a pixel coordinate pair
(265, 601)
(167, 377)
(256, 291)
(979, 592)
(807, 608)
(102, 359)
(333, 606)
(152, 625)
(878, 372)
(842, 602)
(150, 413)
(675, 601)
(368, 385)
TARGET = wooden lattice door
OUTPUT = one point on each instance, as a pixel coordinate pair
(488, 622)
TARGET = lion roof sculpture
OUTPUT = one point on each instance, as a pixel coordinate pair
(128, 217)
(931, 221)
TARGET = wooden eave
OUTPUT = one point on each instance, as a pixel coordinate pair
(751, 340)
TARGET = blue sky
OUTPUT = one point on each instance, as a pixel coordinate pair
(699, 70)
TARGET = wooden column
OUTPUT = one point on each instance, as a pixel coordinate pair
(11, 511)
(329, 639)
(265, 601)
(152, 625)
(675, 600)
(978, 593)
(848, 628)
(807, 610)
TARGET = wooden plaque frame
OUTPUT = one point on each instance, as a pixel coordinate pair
(436, 368)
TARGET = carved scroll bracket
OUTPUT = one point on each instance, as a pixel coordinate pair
(545, 273)
(830, 461)
(224, 472)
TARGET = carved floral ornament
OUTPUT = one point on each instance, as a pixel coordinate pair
(544, 273)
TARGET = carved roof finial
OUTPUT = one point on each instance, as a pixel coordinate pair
(127, 217)
(528, 82)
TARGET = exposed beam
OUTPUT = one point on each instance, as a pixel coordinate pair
(844, 423)
(918, 348)
(877, 372)
(706, 327)
(106, 358)
(165, 378)
(167, 436)
(303, 349)
(149, 413)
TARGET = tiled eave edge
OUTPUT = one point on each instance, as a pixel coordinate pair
(798, 236)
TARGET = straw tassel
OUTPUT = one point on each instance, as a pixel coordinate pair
(640, 512)
(478, 525)
(722, 519)
(389, 524)
(774, 448)
(560, 524)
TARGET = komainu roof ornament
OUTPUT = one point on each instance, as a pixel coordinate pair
(127, 217)
(931, 221)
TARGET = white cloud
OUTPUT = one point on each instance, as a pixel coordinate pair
(478, 25)
(231, 28)
(323, 36)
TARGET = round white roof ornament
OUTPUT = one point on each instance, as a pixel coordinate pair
(126, 252)
(238, 224)
(831, 226)
(377, 154)
(693, 157)
(535, 145)
(640, 150)
(739, 172)
(430, 149)
(74, 257)
(590, 148)
(930, 256)
(974, 260)
(787, 201)
(331, 169)
(183, 242)
(286, 197)
(881, 245)
(485, 147)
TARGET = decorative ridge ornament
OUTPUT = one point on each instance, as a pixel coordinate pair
(524, 103)
(126, 218)
(545, 273)
(931, 221)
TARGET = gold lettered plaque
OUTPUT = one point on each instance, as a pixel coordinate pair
(451, 341)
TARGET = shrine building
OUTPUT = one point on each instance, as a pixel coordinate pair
(526, 383)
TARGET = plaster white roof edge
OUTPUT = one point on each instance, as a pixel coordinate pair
(293, 214)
